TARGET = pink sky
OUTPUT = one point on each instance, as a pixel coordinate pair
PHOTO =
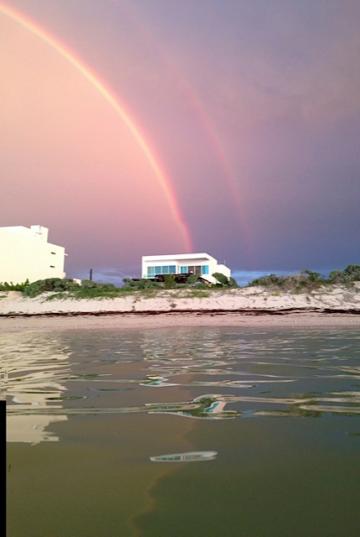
(251, 111)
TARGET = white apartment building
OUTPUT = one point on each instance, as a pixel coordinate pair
(202, 264)
(26, 254)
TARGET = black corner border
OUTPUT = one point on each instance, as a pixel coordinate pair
(3, 467)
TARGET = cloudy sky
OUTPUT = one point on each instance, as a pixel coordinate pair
(159, 126)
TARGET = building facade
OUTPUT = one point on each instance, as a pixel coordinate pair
(26, 254)
(201, 264)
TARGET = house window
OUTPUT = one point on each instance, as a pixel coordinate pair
(163, 269)
(205, 269)
(184, 269)
(195, 269)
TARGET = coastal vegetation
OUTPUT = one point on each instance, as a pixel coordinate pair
(57, 288)
(308, 280)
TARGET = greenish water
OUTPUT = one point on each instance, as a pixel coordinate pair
(215, 432)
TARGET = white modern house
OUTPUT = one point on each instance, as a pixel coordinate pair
(202, 264)
(26, 254)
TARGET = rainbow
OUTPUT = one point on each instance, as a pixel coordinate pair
(227, 172)
(120, 110)
(210, 130)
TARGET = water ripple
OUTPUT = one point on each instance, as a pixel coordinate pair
(252, 373)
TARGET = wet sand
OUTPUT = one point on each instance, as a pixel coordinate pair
(171, 320)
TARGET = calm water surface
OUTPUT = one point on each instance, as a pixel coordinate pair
(214, 432)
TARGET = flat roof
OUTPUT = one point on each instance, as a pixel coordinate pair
(165, 257)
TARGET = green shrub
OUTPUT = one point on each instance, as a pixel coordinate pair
(88, 284)
(141, 284)
(336, 276)
(347, 276)
(6, 286)
(268, 281)
(169, 281)
(192, 279)
(91, 289)
(50, 284)
(221, 278)
(308, 279)
(353, 272)
(100, 291)
(233, 282)
(312, 276)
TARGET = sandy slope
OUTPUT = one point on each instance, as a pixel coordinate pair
(336, 298)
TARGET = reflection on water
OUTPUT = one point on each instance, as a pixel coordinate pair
(191, 456)
(209, 406)
(256, 373)
(96, 410)
(34, 369)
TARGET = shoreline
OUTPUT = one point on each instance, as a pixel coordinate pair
(159, 320)
(178, 311)
(323, 307)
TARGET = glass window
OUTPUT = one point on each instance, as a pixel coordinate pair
(184, 269)
(205, 269)
(195, 269)
(161, 269)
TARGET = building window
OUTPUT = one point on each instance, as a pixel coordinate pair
(195, 269)
(164, 269)
(184, 269)
(52, 266)
(53, 253)
(205, 269)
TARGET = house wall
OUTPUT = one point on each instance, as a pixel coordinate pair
(224, 270)
(26, 254)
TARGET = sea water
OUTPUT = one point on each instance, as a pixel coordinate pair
(213, 432)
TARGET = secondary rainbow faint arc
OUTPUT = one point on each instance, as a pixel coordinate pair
(207, 125)
(160, 175)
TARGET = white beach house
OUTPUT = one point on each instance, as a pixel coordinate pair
(202, 264)
(26, 254)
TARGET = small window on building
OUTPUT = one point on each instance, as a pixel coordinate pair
(205, 269)
(162, 269)
(52, 266)
(184, 269)
(53, 253)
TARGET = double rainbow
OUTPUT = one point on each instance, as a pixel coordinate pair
(120, 110)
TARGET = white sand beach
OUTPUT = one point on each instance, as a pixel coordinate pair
(252, 306)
